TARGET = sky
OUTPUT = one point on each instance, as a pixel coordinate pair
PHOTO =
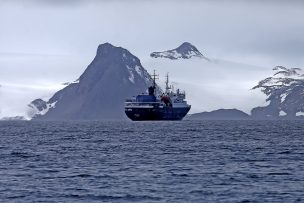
(45, 43)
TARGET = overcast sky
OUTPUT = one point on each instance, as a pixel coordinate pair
(47, 42)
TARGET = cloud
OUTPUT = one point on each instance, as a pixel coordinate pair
(47, 2)
(269, 30)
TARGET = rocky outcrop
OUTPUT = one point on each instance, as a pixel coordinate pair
(39, 104)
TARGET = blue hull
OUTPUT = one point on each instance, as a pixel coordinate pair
(166, 113)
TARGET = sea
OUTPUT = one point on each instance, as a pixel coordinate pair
(124, 161)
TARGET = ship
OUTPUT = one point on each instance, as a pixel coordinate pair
(156, 105)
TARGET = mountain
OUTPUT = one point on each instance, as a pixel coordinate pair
(220, 114)
(284, 91)
(184, 51)
(99, 93)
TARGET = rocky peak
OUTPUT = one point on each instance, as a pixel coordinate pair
(185, 51)
(109, 49)
(112, 59)
(186, 48)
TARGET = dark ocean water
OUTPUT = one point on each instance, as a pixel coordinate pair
(188, 161)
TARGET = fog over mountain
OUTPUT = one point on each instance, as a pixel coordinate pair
(212, 84)
(47, 43)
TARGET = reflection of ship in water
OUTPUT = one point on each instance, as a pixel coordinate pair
(169, 105)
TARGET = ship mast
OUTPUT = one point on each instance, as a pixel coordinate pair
(154, 77)
(167, 84)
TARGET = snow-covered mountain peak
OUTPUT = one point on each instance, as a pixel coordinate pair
(185, 51)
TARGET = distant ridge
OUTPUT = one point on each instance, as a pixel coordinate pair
(185, 51)
(14, 118)
(220, 114)
(99, 93)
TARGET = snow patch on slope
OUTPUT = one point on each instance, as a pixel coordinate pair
(68, 83)
(138, 70)
(49, 106)
(131, 75)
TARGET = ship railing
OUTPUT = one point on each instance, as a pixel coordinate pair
(141, 103)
